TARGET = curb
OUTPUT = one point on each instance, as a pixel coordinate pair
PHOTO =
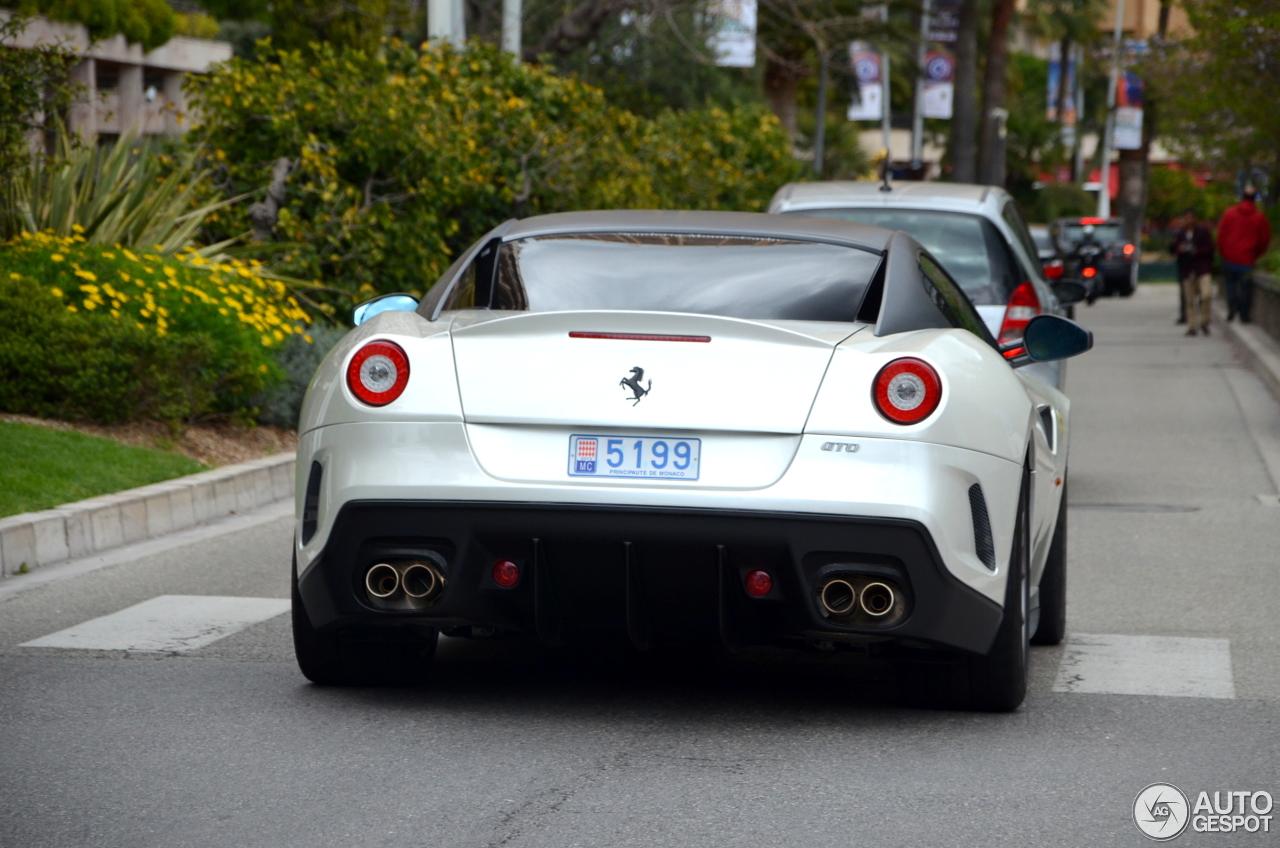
(1259, 349)
(100, 524)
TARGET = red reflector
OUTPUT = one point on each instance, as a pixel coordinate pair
(1090, 272)
(1015, 352)
(907, 391)
(758, 583)
(506, 573)
(378, 373)
(639, 337)
(1053, 271)
(1128, 250)
(1024, 305)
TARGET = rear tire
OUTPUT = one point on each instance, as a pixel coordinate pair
(376, 658)
(997, 682)
(1053, 584)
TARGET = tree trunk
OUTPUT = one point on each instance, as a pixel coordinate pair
(781, 83)
(991, 145)
(1064, 51)
(963, 125)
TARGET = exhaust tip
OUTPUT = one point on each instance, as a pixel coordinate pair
(877, 599)
(382, 581)
(838, 597)
(421, 581)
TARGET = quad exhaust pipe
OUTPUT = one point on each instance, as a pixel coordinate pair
(418, 581)
(841, 598)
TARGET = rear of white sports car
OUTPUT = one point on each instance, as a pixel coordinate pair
(539, 449)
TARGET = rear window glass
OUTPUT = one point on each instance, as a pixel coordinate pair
(1104, 233)
(969, 246)
(754, 278)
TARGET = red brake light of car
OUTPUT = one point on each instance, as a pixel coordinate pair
(907, 391)
(1094, 221)
(1089, 272)
(378, 373)
(758, 583)
(1053, 271)
(506, 573)
(1128, 250)
(1024, 304)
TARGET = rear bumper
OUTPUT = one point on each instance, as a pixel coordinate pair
(650, 574)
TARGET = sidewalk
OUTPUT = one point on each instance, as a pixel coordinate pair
(1260, 350)
(76, 530)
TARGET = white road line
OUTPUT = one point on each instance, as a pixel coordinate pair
(1146, 665)
(166, 624)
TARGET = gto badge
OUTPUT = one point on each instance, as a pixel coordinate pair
(846, 447)
(633, 383)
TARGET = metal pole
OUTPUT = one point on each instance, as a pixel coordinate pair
(917, 116)
(886, 123)
(1077, 169)
(1104, 193)
(511, 13)
(820, 118)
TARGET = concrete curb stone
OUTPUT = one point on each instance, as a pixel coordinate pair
(76, 530)
(1259, 349)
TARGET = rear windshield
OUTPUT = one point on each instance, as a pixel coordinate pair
(753, 278)
(1103, 233)
(1042, 239)
(969, 246)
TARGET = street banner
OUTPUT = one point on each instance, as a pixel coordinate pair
(867, 94)
(1071, 108)
(1128, 123)
(939, 84)
(733, 35)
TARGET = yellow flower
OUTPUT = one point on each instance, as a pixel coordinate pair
(18, 277)
(90, 305)
(129, 254)
(76, 228)
(72, 308)
(57, 257)
(89, 288)
(57, 292)
(263, 368)
(108, 256)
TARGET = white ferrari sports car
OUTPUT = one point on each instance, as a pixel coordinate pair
(684, 427)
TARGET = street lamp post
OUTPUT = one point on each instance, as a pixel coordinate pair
(1104, 192)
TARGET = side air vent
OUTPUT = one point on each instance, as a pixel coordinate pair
(311, 503)
(982, 541)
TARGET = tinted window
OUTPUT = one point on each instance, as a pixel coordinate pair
(951, 300)
(970, 246)
(756, 278)
(1104, 233)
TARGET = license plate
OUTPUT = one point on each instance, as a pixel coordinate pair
(635, 457)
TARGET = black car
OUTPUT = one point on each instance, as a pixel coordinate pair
(1116, 267)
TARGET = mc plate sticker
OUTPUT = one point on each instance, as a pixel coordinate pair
(635, 457)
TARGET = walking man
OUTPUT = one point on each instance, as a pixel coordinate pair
(1243, 236)
(1193, 246)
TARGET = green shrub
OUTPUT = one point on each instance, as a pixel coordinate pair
(404, 158)
(1062, 201)
(104, 334)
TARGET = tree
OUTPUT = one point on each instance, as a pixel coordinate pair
(146, 22)
(1215, 87)
(1068, 22)
(342, 23)
(965, 105)
(991, 144)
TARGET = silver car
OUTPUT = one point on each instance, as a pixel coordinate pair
(976, 231)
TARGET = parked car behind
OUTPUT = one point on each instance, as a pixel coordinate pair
(1119, 261)
(1050, 256)
(976, 231)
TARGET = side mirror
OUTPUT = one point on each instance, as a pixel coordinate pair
(1070, 291)
(1045, 339)
(386, 303)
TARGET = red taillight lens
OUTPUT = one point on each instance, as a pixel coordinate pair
(378, 373)
(506, 573)
(907, 391)
(1023, 306)
(1053, 271)
(1089, 272)
(1128, 250)
(758, 583)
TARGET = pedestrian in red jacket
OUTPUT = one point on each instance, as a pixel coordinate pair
(1193, 245)
(1243, 236)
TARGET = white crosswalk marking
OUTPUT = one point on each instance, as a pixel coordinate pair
(1146, 665)
(166, 624)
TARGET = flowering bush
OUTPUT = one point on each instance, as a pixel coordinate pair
(202, 333)
(402, 158)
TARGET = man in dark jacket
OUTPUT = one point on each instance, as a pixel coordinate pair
(1243, 236)
(1193, 245)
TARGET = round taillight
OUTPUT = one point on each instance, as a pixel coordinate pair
(758, 583)
(378, 373)
(1089, 272)
(506, 573)
(907, 391)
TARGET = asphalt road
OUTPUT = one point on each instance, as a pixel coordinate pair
(519, 745)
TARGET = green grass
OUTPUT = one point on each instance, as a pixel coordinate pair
(42, 468)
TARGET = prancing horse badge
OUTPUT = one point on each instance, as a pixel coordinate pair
(633, 383)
